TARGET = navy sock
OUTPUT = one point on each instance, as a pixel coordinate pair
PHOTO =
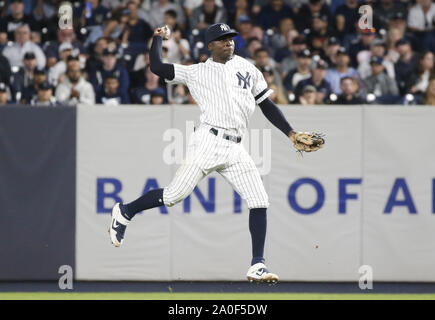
(257, 227)
(151, 199)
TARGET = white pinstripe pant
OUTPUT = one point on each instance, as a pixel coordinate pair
(207, 153)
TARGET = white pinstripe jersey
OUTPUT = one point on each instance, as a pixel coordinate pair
(226, 93)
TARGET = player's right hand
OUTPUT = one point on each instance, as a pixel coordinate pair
(164, 32)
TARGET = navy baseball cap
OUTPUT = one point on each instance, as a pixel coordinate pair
(217, 31)
(332, 41)
(45, 86)
(29, 55)
(159, 92)
(402, 41)
(375, 59)
(300, 39)
(109, 51)
(304, 54)
(39, 71)
(342, 50)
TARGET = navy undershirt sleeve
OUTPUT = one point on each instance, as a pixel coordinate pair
(164, 70)
(275, 116)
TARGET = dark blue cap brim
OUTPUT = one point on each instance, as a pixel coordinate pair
(222, 35)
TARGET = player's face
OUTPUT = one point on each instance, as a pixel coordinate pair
(222, 48)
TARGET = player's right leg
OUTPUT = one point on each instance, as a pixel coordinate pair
(244, 177)
(185, 180)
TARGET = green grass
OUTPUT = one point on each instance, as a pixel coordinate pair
(207, 296)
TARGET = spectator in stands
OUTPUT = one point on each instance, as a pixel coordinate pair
(349, 91)
(5, 69)
(109, 67)
(241, 9)
(3, 94)
(272, 13)
(111, 95)
(377, 49)
(116, 24)
(305, 16)
(113, 4)
(16, 51)
(421, 16)
(429, 96)
(170, 19)
(379, 83)
(342, 69)
(92, 21)
(136, 29)
(51, 48)
(262, 59)
(418, 80)
(207, 14)
(244, 27)
(24, 75)
(393, 35)
(405, 64)
(142, 95)
(361, 46)
(75, 89)
(158, 9)
(421, 20)
(331, 47)
(318, 33)
(308, 95)
(317, 80)
(301, 72)
(287, 56)
(279, 38)
(96, 58)
(179, 94)
(346, 16)
(17, 17)
(44, 96)
(279, 95)
(158, 96)
(253, 44)
(30, 92)
(178, 47)
(55, 72)
(385, 10)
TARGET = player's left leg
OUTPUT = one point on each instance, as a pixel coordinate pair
(244, 177)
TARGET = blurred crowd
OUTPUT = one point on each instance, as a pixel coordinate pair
(309, 51)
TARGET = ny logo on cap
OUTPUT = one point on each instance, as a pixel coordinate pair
(224, 27)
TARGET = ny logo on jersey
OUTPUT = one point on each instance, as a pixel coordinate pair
(245, 79)
(224, 27)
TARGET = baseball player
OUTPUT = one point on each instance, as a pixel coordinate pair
(226, 88)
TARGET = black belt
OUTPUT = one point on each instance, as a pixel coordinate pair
(226, 136)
